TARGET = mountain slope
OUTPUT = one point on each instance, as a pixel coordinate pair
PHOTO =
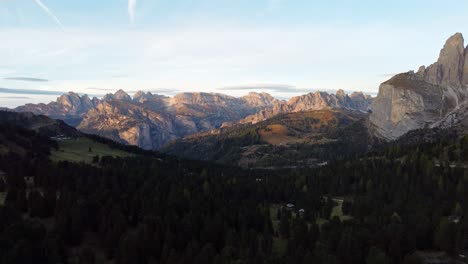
(39, 123)
(313, 101)
(69, 107)
(433, 96)
(295, 139)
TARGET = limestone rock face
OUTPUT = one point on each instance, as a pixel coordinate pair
(465, 68)
(411, 100)
(151, 121)
(128, 123)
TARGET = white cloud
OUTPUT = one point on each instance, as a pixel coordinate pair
(207, 57)
(49, 12)
(132, 10)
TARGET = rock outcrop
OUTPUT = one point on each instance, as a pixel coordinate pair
(423, 99)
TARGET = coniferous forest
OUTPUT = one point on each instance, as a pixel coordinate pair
(382, 207)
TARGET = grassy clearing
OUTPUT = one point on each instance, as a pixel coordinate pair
(338, 211)
(2, 198)
(78, 150)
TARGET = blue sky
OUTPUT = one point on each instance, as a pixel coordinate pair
(284, 47)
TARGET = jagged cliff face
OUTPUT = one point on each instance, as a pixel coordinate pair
(128, 123)
(150, 121)
(434, 96)
(313, 101)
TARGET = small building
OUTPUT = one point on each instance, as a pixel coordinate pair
(454, 219)
(301, 212)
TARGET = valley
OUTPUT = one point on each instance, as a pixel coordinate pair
(302, 139)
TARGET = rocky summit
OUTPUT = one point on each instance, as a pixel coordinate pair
(432, 97)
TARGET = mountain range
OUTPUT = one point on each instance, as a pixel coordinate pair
(151, 121)
(433, 97)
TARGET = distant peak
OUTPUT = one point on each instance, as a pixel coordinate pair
(122, 95)
(340, 93)
(120, 91)
(71, 93)
(139, 93)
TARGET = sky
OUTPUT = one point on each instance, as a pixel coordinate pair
(284, 47)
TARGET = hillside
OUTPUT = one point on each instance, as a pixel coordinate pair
(131, 209)
(296, 139)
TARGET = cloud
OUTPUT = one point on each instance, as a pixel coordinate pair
(25, 79)
(99, 89)
(15, 97)
(49, 12)
(131, 10)
(28, 91)
(280, 88)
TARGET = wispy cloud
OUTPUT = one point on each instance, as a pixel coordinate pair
(25, 79)
(50, 13)
(280, 88)
(29, 91)
(15, 97)
(99, 89)
(132, 10)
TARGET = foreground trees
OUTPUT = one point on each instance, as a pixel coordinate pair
(152, 210)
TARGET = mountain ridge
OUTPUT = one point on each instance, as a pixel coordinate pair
(150, 121)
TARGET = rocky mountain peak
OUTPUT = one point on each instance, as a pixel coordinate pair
(259, 99)
(411, 101)
(122, 95)
(341, 93)
(141, 96)
(449, 68)
(358, 96)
